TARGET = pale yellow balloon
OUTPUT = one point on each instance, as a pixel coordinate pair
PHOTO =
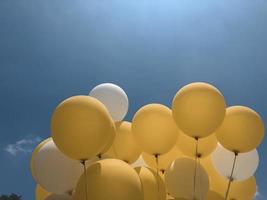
(242, 129)
(154, 129)
(109, 179)
(153, 185)
(239, 190)
(198, 109)
(187, 145)
(180, 176)
(82, 127)
(34, 153)
(164, 160)
(124, 146)
(41, 193)
(214, 196)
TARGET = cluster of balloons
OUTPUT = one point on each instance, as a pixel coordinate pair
(199, 149)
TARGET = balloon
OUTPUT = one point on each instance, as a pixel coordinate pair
(81, 127)
(179, 179)
(242, 130)
(153, 185)
(36, 150)
(113, 97)
(59, 197)
(154, 129)
(198, 109)
(214, 196)
(164, 160)
(139, 162)
(124, 146)
(239, 190)
(40, 193)
(187, 145)
(110, 179)
(54, 171)
(245, 166)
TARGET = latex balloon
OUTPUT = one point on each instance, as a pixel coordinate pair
(198, 109)
(179, 179)
(124, 146)
(40, 193)
(154, 129)
(59, 197)
(36, 150)
(110, 179)
(82, 127)
(164, 160)
(245, 166)
(113, 97)
(153, 185)
(187, 145)
(214, 196)
(139, 162)
(242, 130)
(54, 171)
(244, 190)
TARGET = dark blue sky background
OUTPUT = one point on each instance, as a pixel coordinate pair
(53, 49)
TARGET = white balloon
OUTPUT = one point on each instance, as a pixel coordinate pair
(59, 197)
(54, 171)
(113, 97)
(245, 166)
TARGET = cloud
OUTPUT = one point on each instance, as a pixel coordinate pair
(25, 145)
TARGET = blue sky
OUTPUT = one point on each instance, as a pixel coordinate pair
(53, 49)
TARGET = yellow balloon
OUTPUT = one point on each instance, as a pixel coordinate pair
(164, 160)
(153, 185)
(154, 129)
(81, 127)
(34, 153)
(109, 179)
(198, 109)
(187, 145)
(239, 190)
(242, 130)
(41, 193)
(124, 146)
(214, 196)
(181, 181)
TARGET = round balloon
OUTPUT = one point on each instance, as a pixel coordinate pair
(124, 146)
(114, 98)
(179, 179)
(154, 129)
(187, 145)
(82, 127)
(54, 171)
(41, 193)
(246, 164)
(198, 109)
(164, 160)
(59, 197)
(242, 130)
(153, 185)
(110, 179)
(214, 196)
(36, 150)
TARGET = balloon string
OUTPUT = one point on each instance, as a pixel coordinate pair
(83, 162)
(196, 159)
(157, 163)
(231, 177)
